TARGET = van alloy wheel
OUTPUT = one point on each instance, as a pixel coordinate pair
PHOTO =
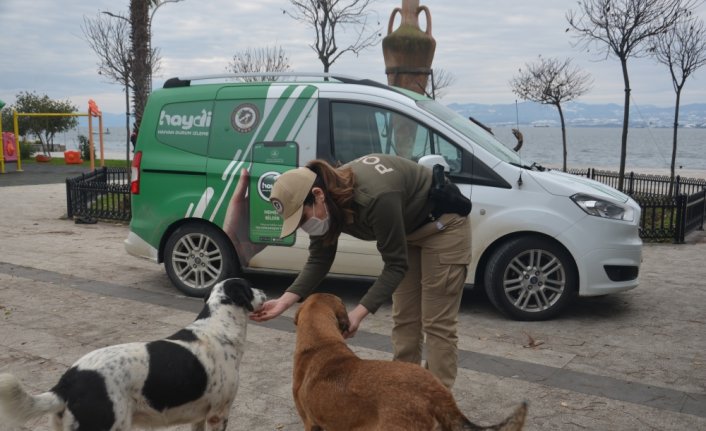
(197, 256)
(531, 278)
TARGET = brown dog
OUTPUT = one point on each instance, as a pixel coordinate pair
(335, 390)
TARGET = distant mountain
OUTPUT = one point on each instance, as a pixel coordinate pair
(578, 114)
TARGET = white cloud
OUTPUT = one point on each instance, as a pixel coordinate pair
(482, 44)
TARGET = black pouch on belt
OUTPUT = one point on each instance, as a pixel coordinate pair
(446, 196)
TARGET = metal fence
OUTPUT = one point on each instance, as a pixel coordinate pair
(101, 194)
(670, 209)
(641, 184)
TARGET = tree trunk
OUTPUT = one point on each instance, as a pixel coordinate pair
(139, 20)
(563, 132)
(626, 121)
(674, 141)
(127, 125)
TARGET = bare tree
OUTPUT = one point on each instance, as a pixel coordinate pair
(683, 50)
(551, 81)
(623, 28)
(441, 80)
(328, 18)
(254, 60)
(109, 38)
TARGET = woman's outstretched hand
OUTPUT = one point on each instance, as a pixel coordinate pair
(274, 307)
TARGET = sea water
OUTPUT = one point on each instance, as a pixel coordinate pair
(599, 147)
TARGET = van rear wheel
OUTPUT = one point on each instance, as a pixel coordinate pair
(196, 257)
(531, 278)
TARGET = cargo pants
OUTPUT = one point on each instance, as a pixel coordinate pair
(425, 305)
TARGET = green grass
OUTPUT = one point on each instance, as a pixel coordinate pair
(660, 219)
(86, 163)
(110, 201)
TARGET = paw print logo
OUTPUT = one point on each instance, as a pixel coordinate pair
(245, 117)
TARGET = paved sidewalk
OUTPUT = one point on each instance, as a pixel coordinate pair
(631, 361)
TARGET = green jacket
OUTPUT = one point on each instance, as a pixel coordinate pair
(391, 200)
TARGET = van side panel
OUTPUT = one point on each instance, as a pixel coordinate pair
(199, 139)
(244, 116)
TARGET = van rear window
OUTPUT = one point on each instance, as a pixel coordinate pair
(186, 125)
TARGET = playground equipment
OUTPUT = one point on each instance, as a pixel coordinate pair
(93, 111)
(72, 157)
(8, 147)
(8, 150)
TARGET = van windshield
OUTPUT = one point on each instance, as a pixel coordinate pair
(471, 130)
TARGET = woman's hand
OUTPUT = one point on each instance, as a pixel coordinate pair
(274, 307)
(237, 221)
(355, 316)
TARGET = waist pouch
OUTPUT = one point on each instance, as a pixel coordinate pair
(446, 196)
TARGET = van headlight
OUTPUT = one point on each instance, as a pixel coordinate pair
(602, 208)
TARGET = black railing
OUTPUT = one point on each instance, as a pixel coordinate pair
(670, 209)
(694, 211)
(101, 194)
(641, 184)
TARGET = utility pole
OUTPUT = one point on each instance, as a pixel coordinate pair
(149, 38)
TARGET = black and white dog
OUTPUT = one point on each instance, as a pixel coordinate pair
(190, 377)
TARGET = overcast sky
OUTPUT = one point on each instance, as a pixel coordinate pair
(482, 43)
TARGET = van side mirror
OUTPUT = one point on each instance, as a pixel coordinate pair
(430, 160)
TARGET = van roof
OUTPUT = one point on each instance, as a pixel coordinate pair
(280, 77)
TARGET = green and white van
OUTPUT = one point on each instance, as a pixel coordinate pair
(209, 149)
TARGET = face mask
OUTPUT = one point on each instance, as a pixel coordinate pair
(316, 226)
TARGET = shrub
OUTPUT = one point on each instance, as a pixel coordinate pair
(25, 150)
(84, 147)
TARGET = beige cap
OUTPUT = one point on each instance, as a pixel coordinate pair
(288, 194)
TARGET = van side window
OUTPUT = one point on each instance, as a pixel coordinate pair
(186, 126)
(355, 131)
(408, 138)
(359, 129)
(452, 154)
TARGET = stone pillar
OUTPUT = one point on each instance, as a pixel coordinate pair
(409, 51)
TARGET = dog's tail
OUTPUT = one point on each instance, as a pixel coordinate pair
(514, 422)
(17, 406)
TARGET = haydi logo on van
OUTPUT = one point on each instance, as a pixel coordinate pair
(183, 123)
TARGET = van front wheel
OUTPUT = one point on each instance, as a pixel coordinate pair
(196, 257)
(531, 278)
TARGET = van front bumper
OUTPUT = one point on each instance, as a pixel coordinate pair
(608, 255)
(598, 266)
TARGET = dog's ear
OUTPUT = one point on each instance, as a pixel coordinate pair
(342, 317)
(239, 292)
(296, 316)
(343, 323)
(207, 294)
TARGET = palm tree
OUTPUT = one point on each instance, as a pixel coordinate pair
(140, 37)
